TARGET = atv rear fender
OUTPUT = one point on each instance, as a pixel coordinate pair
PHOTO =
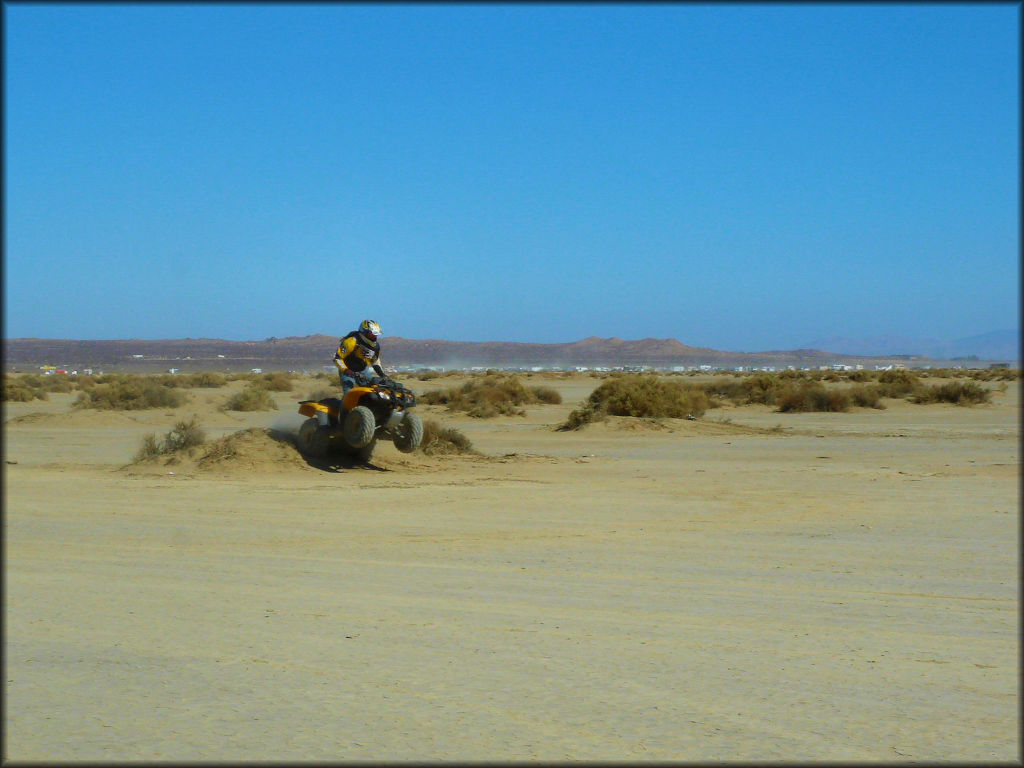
(321, 411)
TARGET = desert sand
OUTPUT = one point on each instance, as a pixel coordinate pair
(749, 585)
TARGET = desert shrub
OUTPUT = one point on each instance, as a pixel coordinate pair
(580, 417)
(488, 396)
(58, 383)
(757, 388)
(547, 395)
(205, 380)
(22, 390)
(103, 378)
(149, 449)
(183, 436)
(439, 439)
(898, 382)
(429, 375)
(275, 382)
(167, 379)
(791, 373)
(810, 396)
(866, 396)
(860, 376)
(957, 392)
(993, 374)
(642, 396)
(252, 398)
(129, 394)
(321, 392)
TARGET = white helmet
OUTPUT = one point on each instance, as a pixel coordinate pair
(370, 329)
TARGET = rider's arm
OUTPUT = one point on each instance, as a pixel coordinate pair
(344, 350)
(379, 368)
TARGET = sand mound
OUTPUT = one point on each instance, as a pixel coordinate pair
(248, 451)
(639, 424)
(254, 449)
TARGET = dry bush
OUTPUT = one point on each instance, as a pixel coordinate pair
(430, 375)
(205, 380)
(866, 396)
(993, 374)
(809, 396)
(441, 440)
(756, 388)
(489, 396)
(792, 374)
(57, 382)
(252, 398)
(129, 393)
(547, 395)
(275, 382)
(149, 449)
(22, 390)
(860, 376)
(322, 392)
(898, 382)
(184, 436)
(580, 417)
(958, 392)
(644, 396)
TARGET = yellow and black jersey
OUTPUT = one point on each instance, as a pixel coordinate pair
(356, 353)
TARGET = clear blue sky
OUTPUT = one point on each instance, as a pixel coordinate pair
(744, 177)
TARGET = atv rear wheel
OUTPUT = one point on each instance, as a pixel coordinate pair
(409, 433)
(312, 440)
(359, 427)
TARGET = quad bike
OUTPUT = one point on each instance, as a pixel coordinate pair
(372, 409)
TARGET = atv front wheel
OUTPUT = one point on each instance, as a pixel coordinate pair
(365, 453)
(312, 440)
(359, 427)
(410, 433)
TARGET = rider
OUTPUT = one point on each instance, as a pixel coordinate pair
(358, 351)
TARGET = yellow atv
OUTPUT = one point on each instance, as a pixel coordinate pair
(372, 409)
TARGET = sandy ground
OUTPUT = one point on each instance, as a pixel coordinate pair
(747, 586)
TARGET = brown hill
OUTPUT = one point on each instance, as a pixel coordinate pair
(315, 351)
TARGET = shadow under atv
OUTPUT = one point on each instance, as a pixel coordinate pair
(335, 460)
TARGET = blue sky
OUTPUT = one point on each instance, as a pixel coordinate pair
(743, 177)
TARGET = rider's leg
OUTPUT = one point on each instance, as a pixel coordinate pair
(347, 382)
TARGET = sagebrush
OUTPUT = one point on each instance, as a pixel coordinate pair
(492, 395)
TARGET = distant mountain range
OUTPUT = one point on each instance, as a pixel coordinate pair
(315, 352)
(995, 345)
